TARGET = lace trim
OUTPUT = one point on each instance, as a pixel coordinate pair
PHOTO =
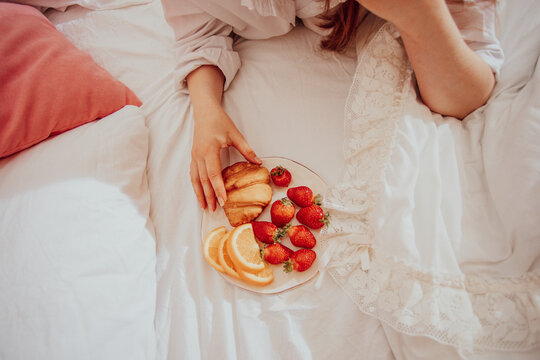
(468, 312)
(373, 106)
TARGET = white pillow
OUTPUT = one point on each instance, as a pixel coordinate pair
(89, 4)
(77, 251)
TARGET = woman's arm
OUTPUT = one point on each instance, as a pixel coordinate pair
(453, 80)
(206, 63)
(213, 131)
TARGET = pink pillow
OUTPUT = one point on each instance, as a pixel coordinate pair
(47, 85)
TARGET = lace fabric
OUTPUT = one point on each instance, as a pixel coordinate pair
(469, 312)
(381, 81)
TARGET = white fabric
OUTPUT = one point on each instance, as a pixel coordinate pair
(89, 4)
(77, 258)
(511, 147)
(305, 96)
(477, 23)
(203, 29)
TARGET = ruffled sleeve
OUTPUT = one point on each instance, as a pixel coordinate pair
(200, 39)
(476, 21)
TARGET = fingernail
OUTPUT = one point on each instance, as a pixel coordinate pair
(221, 201)
(257, 159)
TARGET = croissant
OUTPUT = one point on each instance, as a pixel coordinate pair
(248, 192)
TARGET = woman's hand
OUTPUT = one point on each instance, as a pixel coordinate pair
(214, 130)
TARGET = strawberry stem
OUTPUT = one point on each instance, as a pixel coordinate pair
(317, 200)
(278, 171)
(286, 201)
(281, 233)
(288, 266)
(326, 219)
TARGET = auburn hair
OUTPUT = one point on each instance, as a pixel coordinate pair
(342, 22)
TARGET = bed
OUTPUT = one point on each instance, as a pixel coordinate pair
(100, 233)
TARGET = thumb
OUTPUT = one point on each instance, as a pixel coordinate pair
(243, 147)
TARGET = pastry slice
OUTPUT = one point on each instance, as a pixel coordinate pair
(248, 192)
(245, 176)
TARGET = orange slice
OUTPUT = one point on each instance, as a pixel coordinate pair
(225, 260)
(244, 250)
(261, 278)
(211, 247)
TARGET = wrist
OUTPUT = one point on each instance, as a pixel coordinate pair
(205, 86)
(207, 109)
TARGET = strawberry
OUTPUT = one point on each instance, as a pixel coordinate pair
(282, 211)
(301, 236)
(300, 260)
(281, 176)
(276, 253)
(267, 232)
(312, 216)
(303, 196)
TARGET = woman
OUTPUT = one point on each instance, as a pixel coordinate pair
(454, 77)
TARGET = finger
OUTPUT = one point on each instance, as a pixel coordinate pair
(213, 169)
(241, 145)
(196, 184)
(207, 186)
